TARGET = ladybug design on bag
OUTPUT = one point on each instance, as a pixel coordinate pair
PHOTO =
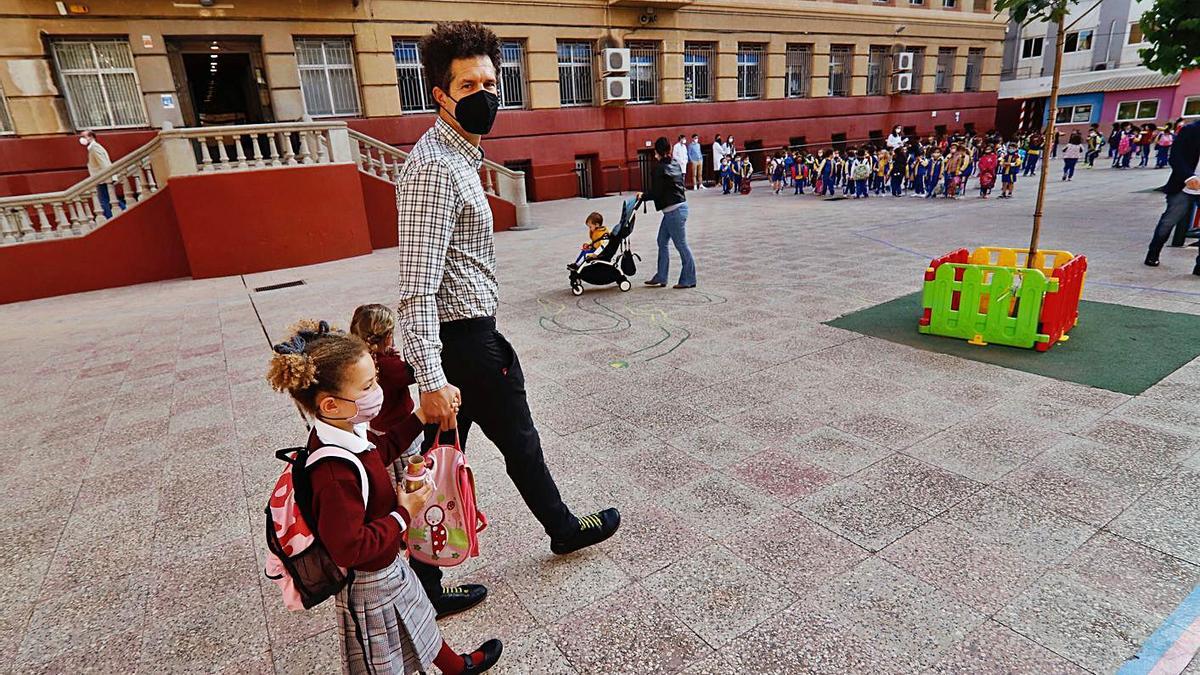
(437, 531)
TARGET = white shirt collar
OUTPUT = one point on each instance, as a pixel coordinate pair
(354, 442)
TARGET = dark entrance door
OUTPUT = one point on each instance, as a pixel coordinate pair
(220, 81)
(584, 176)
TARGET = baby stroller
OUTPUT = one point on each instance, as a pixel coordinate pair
(615, 262)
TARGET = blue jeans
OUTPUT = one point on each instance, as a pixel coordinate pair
(1069, 167)
(1031, 162)
(106, 201)
(674, 229)
(1180, 207)
(1145, 153)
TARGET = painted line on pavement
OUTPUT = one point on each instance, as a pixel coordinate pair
(1170, 648)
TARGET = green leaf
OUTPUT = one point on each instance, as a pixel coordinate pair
(1172, 29)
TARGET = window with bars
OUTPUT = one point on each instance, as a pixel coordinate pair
(949, 4)
(415, 93)
(698, 65)
(751, 61)
(100, 83)
(6, 125)
(877, 59)
(512, 74)
(576, 86)
(840, 69)
(799, 71)
(974, 69)
(643, 71)
(327, 78)
(944, 78)
(918, 69)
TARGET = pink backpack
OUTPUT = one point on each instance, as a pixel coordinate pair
(446, 532)
(1124, 146)
(296, 560)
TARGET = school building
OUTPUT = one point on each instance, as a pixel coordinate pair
(199, 92)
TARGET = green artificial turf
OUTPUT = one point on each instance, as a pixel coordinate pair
(1115, 347)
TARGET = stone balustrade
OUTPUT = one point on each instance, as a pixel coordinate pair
(249, 147)
(78, 209)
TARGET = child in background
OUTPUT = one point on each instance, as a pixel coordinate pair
(747, 172)
(725, 174)
(860, 173)
(375, 325)
(933, 176)
(1095, 140)
(777, 167)
(953, 170)
(921, 174)
(385, 621)
(736, 167)
(800, 174)
(597, 235)
(883, 168)
(988, 164)
(1071, 154)
(789, 164)
(1162, 146)
(827, 172)
(898, 167)
(1010, 166)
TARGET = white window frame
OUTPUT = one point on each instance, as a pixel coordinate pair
(1137, 107)
(99, 72)
(325, 67)
(512, 67)
(6, 123)
(916, 2)
(581, 55)
(847, 69)
(640, 71)
(1186, 101)
(1078, 35)
(877, 70)
(1073, 114)
(751, 71)
(707, 50)
(415, 68)
(949, 4)
(1041, 47)
(798, 62)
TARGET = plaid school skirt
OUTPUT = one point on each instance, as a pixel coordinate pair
(387, 623)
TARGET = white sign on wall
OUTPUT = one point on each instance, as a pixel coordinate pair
(168, 102)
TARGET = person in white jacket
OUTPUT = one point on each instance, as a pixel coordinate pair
(679, 153)
(718, 154)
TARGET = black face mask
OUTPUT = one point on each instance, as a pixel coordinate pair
(477, 112)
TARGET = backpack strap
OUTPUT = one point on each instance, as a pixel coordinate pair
(328, 451)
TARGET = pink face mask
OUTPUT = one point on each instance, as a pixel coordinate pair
(367, 406)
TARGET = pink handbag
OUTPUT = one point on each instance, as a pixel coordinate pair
(446, 531)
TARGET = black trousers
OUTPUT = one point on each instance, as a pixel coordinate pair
(479, 361)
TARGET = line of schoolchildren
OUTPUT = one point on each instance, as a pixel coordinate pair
(927, 169)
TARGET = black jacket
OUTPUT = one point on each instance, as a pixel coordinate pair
(1185, 152)
(666, 185)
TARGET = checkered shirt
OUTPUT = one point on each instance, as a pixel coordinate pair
(447, 254)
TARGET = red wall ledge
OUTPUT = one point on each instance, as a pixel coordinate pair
(141, 245)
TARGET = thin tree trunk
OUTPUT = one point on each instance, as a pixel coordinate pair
(1047, 139)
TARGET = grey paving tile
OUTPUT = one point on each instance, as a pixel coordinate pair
(916, 483)
(651, 538)
(62, 623)
(886, 428)
(863, 515)
(993, 649)
(795, 551)
(836, 450)
(550, 589)
(782, 475)
(533, 652)
(210, 638)
(627, 632)
(711, 591)
(1165, 517)
(717, 504)
(986, 448)
(320, 653)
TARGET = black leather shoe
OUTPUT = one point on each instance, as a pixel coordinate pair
(593, 529)
(457, 599)
(1196, 270)
(1151, 262)
(492, 649)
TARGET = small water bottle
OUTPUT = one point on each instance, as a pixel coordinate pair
(416, 474)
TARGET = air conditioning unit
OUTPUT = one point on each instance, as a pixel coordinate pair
(904, 61)
(616, 89)
(902, 82)
(616, 60)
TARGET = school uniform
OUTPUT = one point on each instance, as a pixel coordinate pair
(827, 173)
(934, 176)
(395, 377)
(921, 176)
(385, 620)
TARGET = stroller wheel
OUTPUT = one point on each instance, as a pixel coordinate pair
(576, 289)
(624, 285)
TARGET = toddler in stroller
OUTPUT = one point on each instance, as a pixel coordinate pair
(610, 260)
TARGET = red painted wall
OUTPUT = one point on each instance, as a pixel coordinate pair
(142, 245)
(52, 163)
(251, 221)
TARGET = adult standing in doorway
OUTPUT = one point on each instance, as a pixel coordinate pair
(696, 163)
(1182, 189)
(97, 161)
(679, 153)
(669, 197)
(466, 371)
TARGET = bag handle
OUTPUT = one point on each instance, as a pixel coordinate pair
(433, 437)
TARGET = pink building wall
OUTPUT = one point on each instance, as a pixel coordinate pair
(1170, 99)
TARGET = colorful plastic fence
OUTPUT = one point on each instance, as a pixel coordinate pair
(989, 296)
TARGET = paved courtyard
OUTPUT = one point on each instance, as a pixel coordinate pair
(796, 497)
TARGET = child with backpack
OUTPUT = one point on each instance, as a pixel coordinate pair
(826, 173)
(860, 173)
(1010, 166)
(726, 175)
(356, 513)
(933, 175)
(375, 325)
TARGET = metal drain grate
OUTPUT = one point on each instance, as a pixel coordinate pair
(275, 287)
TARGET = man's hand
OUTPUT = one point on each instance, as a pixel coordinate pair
(1193, 183)
(440, 407)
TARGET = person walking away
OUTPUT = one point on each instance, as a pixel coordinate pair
(466, 371)
(1162, 146)
(988, 163)
(696, 163)
(1145, 140)
(1182, 192)
(667, 193)
(777, 167)
(1071, 154)
(97, 162)
(679, 153)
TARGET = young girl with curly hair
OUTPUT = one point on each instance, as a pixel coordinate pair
(384, 618)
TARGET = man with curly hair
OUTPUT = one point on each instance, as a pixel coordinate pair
(466, 371)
